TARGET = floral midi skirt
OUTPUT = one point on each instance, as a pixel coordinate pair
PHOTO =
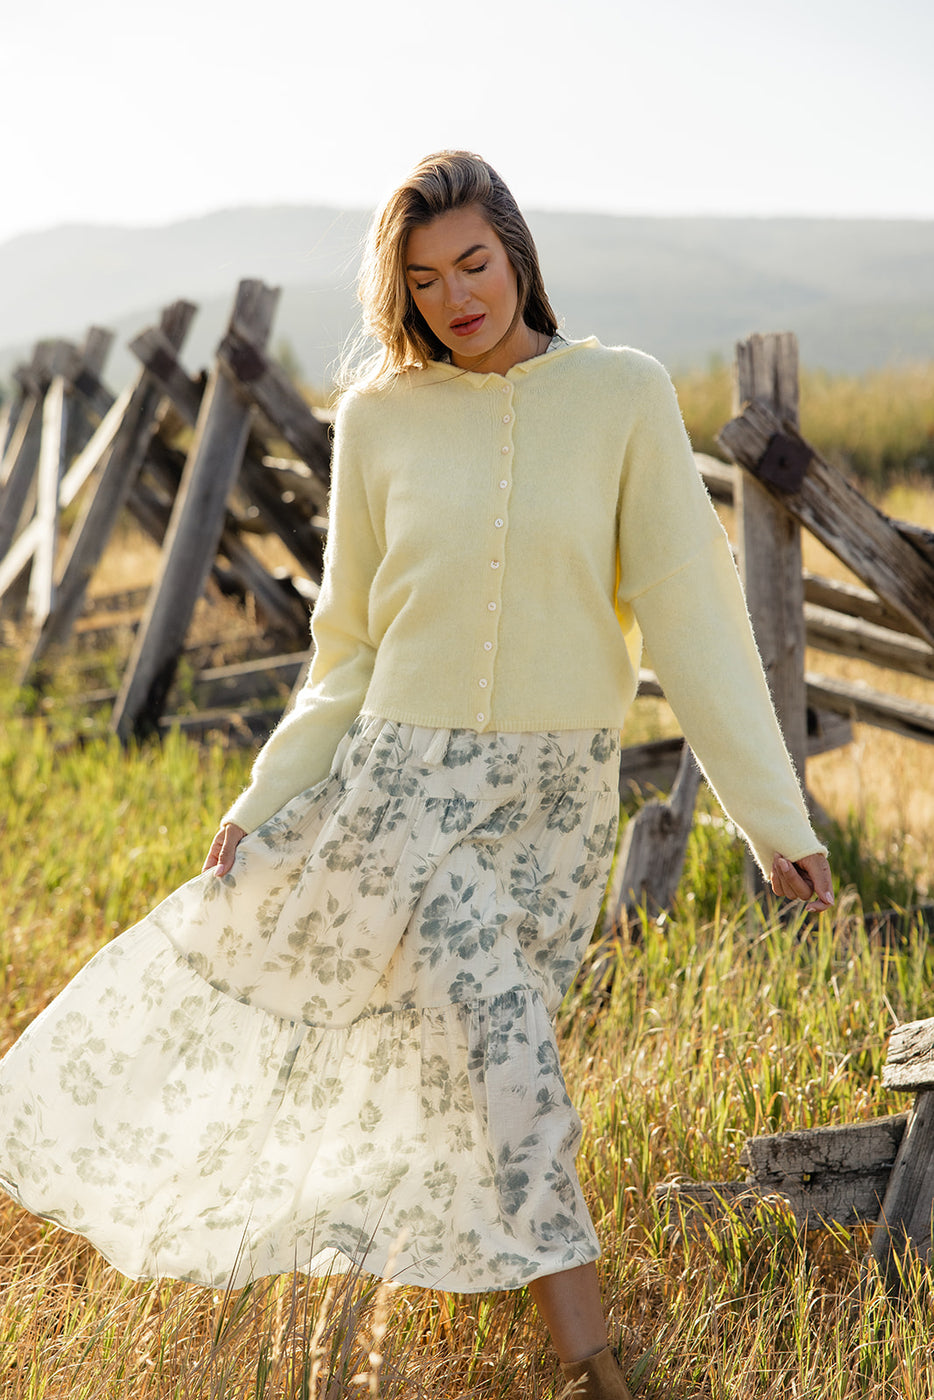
(341, 1054)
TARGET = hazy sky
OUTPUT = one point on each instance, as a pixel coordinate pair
(128, 112)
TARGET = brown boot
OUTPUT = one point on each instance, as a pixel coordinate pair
(597, 1378)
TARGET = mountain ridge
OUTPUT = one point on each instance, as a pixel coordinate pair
(858, 292)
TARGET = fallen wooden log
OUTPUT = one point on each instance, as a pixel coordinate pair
(824, 1176)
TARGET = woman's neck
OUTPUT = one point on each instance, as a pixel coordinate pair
(520, 344)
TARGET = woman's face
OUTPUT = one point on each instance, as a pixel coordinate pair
(464, 285)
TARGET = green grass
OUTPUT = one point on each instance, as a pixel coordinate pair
(721, 1023)
(877, 427)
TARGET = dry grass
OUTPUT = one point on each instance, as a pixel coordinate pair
(719, 1025)
(878, 427)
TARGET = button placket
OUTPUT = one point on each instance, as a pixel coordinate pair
(503, 423)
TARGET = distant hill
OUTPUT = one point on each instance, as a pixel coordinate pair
(859, 293)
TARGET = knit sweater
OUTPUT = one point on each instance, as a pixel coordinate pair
(498, 546)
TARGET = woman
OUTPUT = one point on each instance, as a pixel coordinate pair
(335, 1045)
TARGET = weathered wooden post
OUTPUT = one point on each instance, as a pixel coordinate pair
(770, 541)
(283, 408)
(51, 467)
(89, 536)
(18, 469)
(50, 359)
(651, 853)
(905, 1227)
(195, 528)
(769, 547)
(85, 378)
(18, 556)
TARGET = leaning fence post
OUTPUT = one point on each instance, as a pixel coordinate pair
(195, 527)
(51, 466)
(9, 417)
(905, 1227)
(89, 536)
(18, 469)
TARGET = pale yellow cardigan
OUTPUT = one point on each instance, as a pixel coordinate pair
(497, 545)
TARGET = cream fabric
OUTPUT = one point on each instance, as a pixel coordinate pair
(346, 1044)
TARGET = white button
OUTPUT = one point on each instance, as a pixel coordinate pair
(505, 451)
(494, 563)
(483, 684)
(498, 524)
(503, 484)
(481, 718)
(492, 607)
(487, 646)
(507, 417)
(505, 388)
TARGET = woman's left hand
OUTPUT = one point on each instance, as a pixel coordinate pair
(804, 878)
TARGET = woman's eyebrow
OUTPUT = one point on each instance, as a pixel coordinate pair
(474, 248)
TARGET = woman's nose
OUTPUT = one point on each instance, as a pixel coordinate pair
(455, 292)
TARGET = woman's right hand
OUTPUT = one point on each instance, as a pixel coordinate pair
(223, 849)
(808, 879)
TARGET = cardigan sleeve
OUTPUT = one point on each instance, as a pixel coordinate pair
(686, 596)
(298, 753)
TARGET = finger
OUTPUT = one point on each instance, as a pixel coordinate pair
(789, 882)
(228, 851)
(210, 859)
(817, 870)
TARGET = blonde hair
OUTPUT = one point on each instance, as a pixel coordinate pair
(439, 183)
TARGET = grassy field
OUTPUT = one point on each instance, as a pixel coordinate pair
(718, 1027)
(722, 1023)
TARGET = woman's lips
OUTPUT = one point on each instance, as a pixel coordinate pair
(468, 325)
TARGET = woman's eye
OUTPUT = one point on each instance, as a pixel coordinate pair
(481, 268)
(421, 286)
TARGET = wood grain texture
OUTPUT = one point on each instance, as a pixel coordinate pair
(905, 1226)
(9, 416)
(823, 1176)
(769, 542)
(909, 1061)
(853, 601)
(651, 854)
(195, 530)
(860, 702)
(154, 350)
(842, 519)
(838, 1174)
(265, 384)
(863, 641)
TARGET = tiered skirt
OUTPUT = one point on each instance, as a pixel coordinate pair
(341, 1054)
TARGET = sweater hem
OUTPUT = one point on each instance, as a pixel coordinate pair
(527, 725)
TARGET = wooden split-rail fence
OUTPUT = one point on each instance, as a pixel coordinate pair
(75, 457)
